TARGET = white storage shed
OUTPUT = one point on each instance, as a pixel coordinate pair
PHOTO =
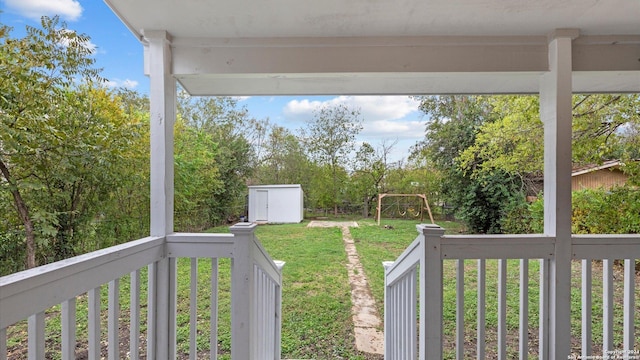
(276, 203)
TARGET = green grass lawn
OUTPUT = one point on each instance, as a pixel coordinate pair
(316, 308)
(316, 295)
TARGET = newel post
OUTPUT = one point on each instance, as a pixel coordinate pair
(242, 293)
(431, 292)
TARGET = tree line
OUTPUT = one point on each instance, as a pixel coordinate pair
(74, 154)
(489, 150)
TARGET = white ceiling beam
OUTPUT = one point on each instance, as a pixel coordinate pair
(397, 65)
(361, 84)
(368, 55)
(606, 53)
(400, 84)
(402, 54)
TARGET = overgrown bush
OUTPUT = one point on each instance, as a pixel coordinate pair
(12, 252)
(615, 211)
(517, 217)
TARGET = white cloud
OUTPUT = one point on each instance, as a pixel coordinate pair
(126, 83)
(87, 44)
(372, 108)
(300, 110)
(241, 98)
(34, 9)
(402, 129)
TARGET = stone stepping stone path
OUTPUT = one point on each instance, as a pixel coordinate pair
(366, 319)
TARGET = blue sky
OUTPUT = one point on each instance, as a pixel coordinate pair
(120, 55)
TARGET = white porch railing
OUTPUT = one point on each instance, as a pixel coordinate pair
(418, 274)
(255, 297)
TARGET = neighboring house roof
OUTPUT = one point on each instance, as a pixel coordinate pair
(606, 176)
(594, 167)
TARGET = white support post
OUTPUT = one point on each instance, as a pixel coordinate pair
(35, 343)
(68, 319)
(162, 309)
(431, 293)
(587, 277)
(193, 310)
(482, 308)
(543, 307)
(607, 306)
(278, 330)
(3, 344)
(388, 319)
(242, 278)
(502, 309)
(629, 329)
(94, 347)
(113, 327)
(134, 315)
(162, 98)
(213, 313)
(460, 309)
(555, 111)
(524, 309)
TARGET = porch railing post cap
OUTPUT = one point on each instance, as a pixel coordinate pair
(387, 265)
(243, 228)
(279, 264)
(430, 229)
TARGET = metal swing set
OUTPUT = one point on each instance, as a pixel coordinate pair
(424, 204)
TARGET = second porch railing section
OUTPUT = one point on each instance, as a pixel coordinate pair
(413, 334)
(255, 296)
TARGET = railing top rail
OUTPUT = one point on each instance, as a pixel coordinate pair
(201, 245)
(262, 257)
(409, 258)
(31, 291)
(14, 283)
(498, 239)
(200, 237)
(605, 239)
(508, 246)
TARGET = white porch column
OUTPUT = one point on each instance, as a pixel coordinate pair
(162, 276)
(162, 98)
(555, 111)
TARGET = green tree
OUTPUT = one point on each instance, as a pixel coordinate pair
(126, 214)
(330, 138)
(38, 72)
(599, 121)
(283, 159)
(371, 166)
(602, 130)
(236, 136)
(454, 123)
(197, 178)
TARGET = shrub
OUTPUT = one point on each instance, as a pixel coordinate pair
(614, 211)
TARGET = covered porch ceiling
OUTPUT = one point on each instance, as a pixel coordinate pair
(296, 47)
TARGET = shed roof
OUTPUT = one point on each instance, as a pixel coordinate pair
(275, 186)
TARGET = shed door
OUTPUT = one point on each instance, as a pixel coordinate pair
(262, 205)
